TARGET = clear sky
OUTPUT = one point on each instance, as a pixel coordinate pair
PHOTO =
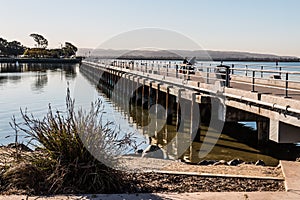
(263, 26)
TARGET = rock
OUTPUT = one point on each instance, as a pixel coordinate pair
(260, 163)
(207, 162)
(154, 151)
(140, 151)
(221, 162)
(235, 162)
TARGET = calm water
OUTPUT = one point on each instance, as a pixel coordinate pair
(35, 86)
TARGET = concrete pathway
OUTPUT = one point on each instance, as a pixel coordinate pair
(182, 196)
(291, 172)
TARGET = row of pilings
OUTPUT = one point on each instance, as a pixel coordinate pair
(172, 117)
(167, 119)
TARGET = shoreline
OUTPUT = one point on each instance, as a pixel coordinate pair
(42, 60)
(136, 163)
(152, 181)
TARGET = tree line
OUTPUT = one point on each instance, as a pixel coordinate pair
(15, 48)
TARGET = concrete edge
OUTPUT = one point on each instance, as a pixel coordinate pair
(286, 181)
(167, 196)
(284, 175)
(214, 175)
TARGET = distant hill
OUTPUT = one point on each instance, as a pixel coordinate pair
(179, 54)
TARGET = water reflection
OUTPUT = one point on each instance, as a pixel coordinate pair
(237, 141)
(31, 86)
(67, 70)
(3, 80)
(15, 72)
(14, 79)
(11, 78)
(70, 73)
(41, 80)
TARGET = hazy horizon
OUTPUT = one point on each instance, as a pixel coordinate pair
(267, 27)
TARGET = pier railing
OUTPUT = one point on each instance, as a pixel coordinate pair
(277, 80)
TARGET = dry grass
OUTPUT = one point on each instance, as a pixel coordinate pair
(63, 163)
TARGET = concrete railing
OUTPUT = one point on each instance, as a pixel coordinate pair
(226, 76)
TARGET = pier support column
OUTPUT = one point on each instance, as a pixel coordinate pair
(133, 93)
(143, 92)
(159, 119)
(118, 92)
(137, 91)
(124, 95)
(129, 93)
(170, 131)
(195, 116)
(263, 132)
(151, 102)
(180, 139)
(166, 113)
(151, 96)
(142, 107)
(168, 106)
(109, 79)
(115, 90)
(194, 128)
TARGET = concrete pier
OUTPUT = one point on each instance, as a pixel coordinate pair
(188, 104)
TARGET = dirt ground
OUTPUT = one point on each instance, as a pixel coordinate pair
(133, 163)
(138, 163)
(148, 175)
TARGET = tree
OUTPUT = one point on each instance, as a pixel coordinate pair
(3, 46)
(36, 52)
(69, 49)
(40, 40)
(13, 48)
(55, 53)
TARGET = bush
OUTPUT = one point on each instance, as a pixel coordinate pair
(76, 150)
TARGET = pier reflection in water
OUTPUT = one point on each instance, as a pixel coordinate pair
(236, 141)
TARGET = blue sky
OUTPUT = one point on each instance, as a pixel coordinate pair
(264, 26)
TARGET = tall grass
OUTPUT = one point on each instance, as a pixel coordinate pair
(77, 150)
